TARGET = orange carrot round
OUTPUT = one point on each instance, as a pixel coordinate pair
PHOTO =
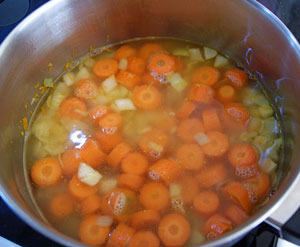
(155, 196)
(108, 141)
(212, 175)
(105, 68)
(72, 108)
(145, 239)
(237, 215)
(237, 77)
(149, 49)
(186, 109)
(134, 163)
(110, 123)
(237, 112)
(226, 94)
(79, 189)
(206, 203)
(130, 181)
(242, 155)
(98, 112)
(190, 156)
(121, 236)
(166, 170)
(150, 80)
(189, 188)
(206, 75)
(128, 79)
(188, 128)
(161, 63)
(117, 154)
(136, 65)
(201, 93)
(211, 120)
(218, 144)
(86, 89)
(90, 204)
(146, 97)
(61, 205)
(46, 172)
(216, 226)
(174, 230)
(70, 161)
(125, 51)
(145, 218)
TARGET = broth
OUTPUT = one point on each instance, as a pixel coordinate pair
(158, 140)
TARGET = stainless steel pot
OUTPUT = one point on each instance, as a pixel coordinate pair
(245, 30)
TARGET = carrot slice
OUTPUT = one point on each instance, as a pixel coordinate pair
(121, 236)
(230, 123)
(212, 175)
(211, 120)
(188, 128)
(146, 97)
(242, 155)
(246, 172)
(161, 63)
(189, 188)
(110, 123)
(153, 143)
(165, 122)
(186, 109)
(154, 196)
(134, 163)
(190, 156)
(117, 154)
(90, 204)
(149, 49)
(237, 112)
(174, 230)
(216, 226)
(72, 108)
(91, 153)
(206, 75)
(178, 64)
(218, 144)
(108, 141)
(145, 218)
(86, 89)
(105, 68)
(237, 215)
(46, 172)
(62, 205)
(70, 161)
(125, 51)
(238, 193)
(98, 112)
(130, 181)
(145, 239)
(91, 233)
(128, 79)
(206, 203)
(80, 190)
(226, 94)
(201, 93)
(166, 170)
(150, 80)
(136, 65)
(237, 77)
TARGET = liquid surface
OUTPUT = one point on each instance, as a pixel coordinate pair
(155, 141)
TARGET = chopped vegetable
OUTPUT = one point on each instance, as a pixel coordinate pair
(220, 61)
(268, 166)
(83, 73)
(177, 82)
(123, 64)
(180, 52)
(107, 184)
(265, 111)
(88, 175)
(109, 84)
(104, 221)
(69, 78)
(124, 104)
(201, 138)
(175, 190)
(209, 53)
(195, 54)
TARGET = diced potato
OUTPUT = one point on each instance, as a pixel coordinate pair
(88, 175)
(54, 149)
(265, 111)
(175, 190)
(269, 126)
(264, 142)
(255, 124)
(109, 84)
(123, 64)
(124, 104)
(89, 62)
(177, 82)
(201, 138)
(182, 52)
(69, 78)
(195, 54)
(196, 237)
(83, 73)
(209, 53)
(268, 166)
(118, 93)
(107, 184)
(220, 61)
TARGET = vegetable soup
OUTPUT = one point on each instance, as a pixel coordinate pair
(153, 142)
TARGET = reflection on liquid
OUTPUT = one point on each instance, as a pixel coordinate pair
(78, 138)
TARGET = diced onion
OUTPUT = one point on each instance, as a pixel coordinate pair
(107, 184)
(88, 175)
(180, 52)
(104, 221)
(123, 64)
(220, 61)
(195, 54)
(268, 165)
(175, 190)
(69, 78)
(109, 84)
(177, 82)
(201, 138)
(209, 53)
(83, 73)
(124, 104)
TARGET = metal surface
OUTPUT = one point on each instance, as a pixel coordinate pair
(245, 30)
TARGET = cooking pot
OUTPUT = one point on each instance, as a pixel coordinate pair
(244, 30)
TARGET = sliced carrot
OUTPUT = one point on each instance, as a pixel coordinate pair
(216, 226)
(178, 64)
(121, 236)
(128, 79)
(188, 128)
(238, 193)
(153, 143)
(206, 75)
(79, 189)
(218, 144)
(212, 175)
(237, 112)
(165, 122)
(166, 170)
(161, 63)
(86, 89)
(201, 93)
(90, 204)
(190, 156)
(70, 161)
(108, 141)
(105, 68)
(230, 123)
(206, 203)
(72, 108)
(136, 65)
(91, 153)
(237, 215)
(91, 233)
(150, 80)
(61, 205)
(117, 154)
(226, 94)
(237, 77)
(46, 172)
(145, 239)
(246, 172)
(135, 163)
(110, 123)
(145, 218)
(242, 154)
(174, 230)
(189, 188)
(130, 181)
(155, 196)
(149, 49)
(125, 51)
(186, 109)
(98, 112)
(211, 120)
(146, 97)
